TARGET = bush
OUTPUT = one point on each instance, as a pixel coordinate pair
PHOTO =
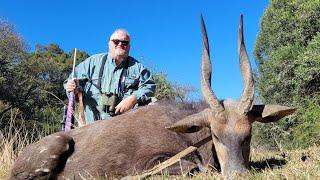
(306, 132)
(287, 54)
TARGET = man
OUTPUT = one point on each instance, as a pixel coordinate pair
(112, 75)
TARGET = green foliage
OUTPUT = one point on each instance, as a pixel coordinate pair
(307, 130)
(287, 53)
(12, 51)
(31, 83)
(50, 66)
(12, 48)
(287, 23)
(277, 76)
(168, 90)
(47, 67)
(307, 72)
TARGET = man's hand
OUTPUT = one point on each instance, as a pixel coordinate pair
(71, 85)
(126, 104)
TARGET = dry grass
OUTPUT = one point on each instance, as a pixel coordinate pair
(296, 164)
(9, 146)
(12, 140)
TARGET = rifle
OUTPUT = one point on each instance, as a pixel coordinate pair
(71, 102)
(81, 121)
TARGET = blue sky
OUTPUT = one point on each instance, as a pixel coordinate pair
(165, 34)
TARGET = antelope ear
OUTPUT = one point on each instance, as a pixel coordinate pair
(270, 113)
(192, 123)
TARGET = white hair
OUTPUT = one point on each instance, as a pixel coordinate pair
(119, 30)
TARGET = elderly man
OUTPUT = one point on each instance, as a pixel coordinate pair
(112, 78)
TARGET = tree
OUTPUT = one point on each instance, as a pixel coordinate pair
(48, 67)
(167, 90)
(12, 52)
(288, 59)
(32, 82)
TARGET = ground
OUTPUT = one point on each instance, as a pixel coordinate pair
(293, 164)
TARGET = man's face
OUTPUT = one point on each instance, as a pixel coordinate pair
(119, 46)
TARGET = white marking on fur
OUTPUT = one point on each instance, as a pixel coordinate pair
(53, 156)
(42, 150)
(46, 170)
(58, 136)
(67, 147)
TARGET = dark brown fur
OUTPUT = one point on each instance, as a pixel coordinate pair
(124, 145)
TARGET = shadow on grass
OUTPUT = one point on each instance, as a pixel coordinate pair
(270, 163)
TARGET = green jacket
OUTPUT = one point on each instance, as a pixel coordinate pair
(138, 81)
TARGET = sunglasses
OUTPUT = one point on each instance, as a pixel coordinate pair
(117, 41)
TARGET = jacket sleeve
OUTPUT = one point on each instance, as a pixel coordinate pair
(146, 87)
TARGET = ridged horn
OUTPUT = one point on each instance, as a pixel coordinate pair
(248, 90)
(207, 92)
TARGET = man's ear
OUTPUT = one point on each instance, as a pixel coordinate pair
(192, 123)
(270, 113)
